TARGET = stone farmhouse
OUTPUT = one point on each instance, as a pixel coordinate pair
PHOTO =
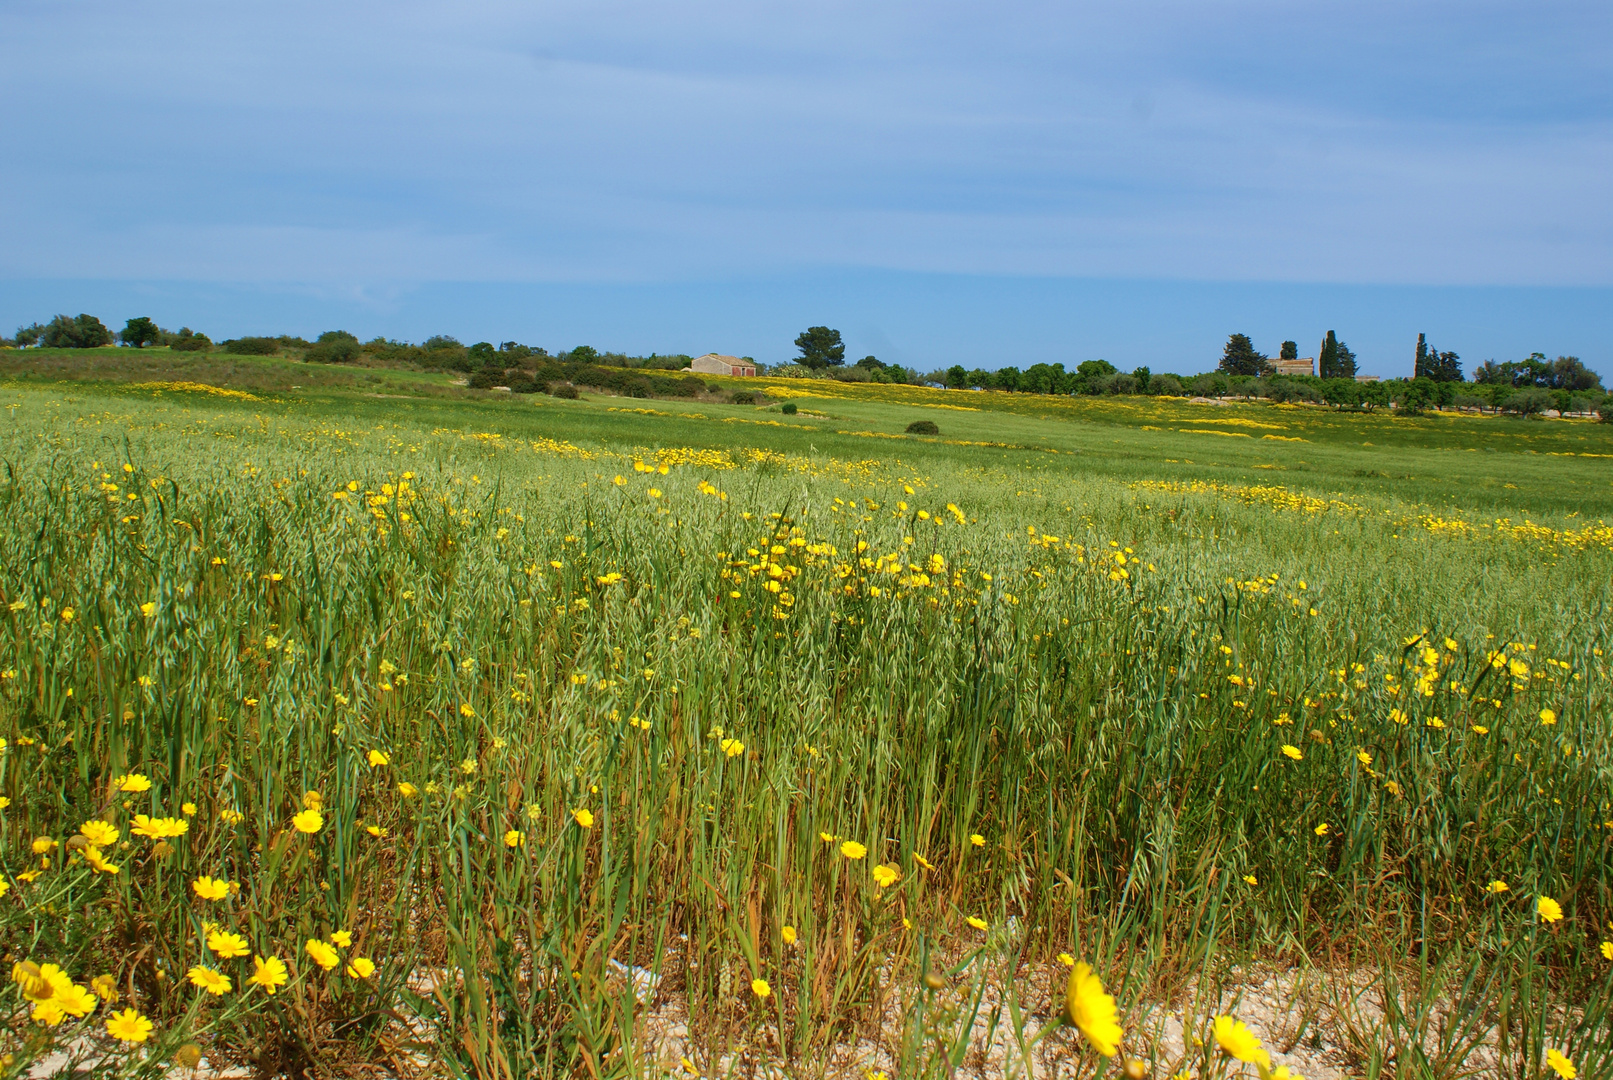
(1305, 365)
(718, 364)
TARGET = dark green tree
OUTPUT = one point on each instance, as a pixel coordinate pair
(1143, 377)
(84, 332)
(140, 332)
(1240, 358)
(1345, 361)
(1289, 351)
(821, 347)
(1435, 365)
(29, 335)
(1327, 358)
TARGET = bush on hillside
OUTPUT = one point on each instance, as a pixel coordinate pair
(565, 390)
(251, 346)
(924, 427)
(188, 340)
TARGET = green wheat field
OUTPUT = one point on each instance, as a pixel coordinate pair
(357, 724)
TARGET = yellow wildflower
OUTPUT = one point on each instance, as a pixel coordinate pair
(321, 953)
(270, 974)
(128, 1026)
(1093, 1011)
(226, 946)
(1560, 1064)
(214, 982)
(209, 888)
(1237, 1040)
(99, 833)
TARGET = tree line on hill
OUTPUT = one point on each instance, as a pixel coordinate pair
(1527, 387)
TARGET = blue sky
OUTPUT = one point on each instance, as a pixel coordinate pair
(943, 182)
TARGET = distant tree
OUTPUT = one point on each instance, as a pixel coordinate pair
(871, 363)
(1528, 401)
(1569, 373)
(1343, 361)
(1095, 369)
(1240, 358)
(1289, 351)
(821, 347)
(331, 336)
(1165, 385)
(29, 335)
(1327, 358)
(1006, 378)
(1432, 364)
(1564, 373)
(957, 377)
(187, 340)
(140, 332)
(440, 341)
(1142, 377)
(84, 332)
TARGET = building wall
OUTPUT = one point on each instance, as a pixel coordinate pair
(714, 364)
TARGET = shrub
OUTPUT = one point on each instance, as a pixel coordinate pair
(251, 346)
(788, 408)
(567, 391)
(1165, 385)
(923, 427)
(486, 380)
(742, 397)
(335, 351)
(522, 383)
(188, 340)
(440, 341)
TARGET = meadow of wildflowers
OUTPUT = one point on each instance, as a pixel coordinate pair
(366, 735)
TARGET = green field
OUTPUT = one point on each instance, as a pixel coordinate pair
(1187, 692)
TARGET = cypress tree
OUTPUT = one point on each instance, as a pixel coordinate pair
(1327, 360)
